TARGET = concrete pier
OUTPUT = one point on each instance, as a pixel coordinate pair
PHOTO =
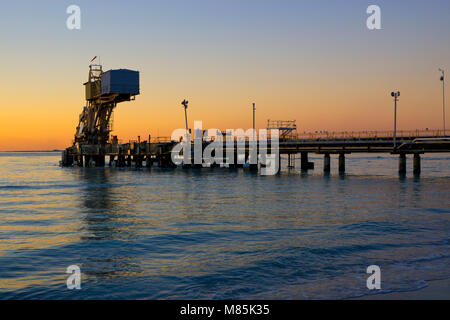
(342, 162)
(304, 163)
(326, 163)
(402, 163)
(416, 164)
(159, 153)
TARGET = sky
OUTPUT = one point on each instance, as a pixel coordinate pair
(315, 62)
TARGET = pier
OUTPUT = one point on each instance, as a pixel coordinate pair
(158, 152)
(93, 143)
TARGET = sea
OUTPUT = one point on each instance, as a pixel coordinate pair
(220, 233)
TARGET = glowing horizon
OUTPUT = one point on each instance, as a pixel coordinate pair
(310, 61)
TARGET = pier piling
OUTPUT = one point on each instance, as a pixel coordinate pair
(326, 163)
(304, 161)
(402, 163)
(341, 163)
(148, 161)
(133, 154)
(291, 160)
(416, 163)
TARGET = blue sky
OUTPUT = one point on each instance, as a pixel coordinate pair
(314, 61)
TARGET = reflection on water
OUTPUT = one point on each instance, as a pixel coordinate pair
(101, 217)
(106, 218)
(220, 233)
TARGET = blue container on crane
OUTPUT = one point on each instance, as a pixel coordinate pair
(120, 81)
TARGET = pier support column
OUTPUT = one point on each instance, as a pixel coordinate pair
(304, 164)
(416, 163)
(121, 161)
(341, 163)
(291, 158)
(148, 161)
(402, 163)
(233, 161)
(250, 166)
(138, 161)
(326, 163)
(99, 160)
(279, 162)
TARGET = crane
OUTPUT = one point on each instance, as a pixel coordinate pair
(94, 126)
(104, 90)
(103, 93)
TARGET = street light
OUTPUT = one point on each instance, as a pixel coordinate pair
(395, 95)
(254, 109)
(443, 96)
(185, 105)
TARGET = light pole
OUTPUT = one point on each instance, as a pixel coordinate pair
(185, 105)
(254, 109)
(443, 96)
(395, 95)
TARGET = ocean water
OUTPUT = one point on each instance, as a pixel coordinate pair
(221, 233)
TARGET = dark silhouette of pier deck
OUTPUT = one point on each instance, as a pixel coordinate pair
(158, 152)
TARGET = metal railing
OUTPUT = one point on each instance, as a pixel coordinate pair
(161, 139)
(132, 146)
(368, 135)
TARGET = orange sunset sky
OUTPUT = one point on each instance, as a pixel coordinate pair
(312, 61)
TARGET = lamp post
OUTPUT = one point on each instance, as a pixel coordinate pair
(254, 109)
(395, 95)
(185, 105)
(443, 96)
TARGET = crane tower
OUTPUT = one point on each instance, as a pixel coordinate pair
(104, 90)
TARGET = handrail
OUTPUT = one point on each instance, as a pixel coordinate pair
(373, 135)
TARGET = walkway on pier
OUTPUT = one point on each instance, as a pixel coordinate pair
(159, 151)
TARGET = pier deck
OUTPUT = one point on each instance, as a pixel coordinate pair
(158, 152)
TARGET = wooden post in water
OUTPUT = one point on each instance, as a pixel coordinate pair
(402, 163)
(304, 164)
(326, 163)
(341, 162)
(416, 163)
